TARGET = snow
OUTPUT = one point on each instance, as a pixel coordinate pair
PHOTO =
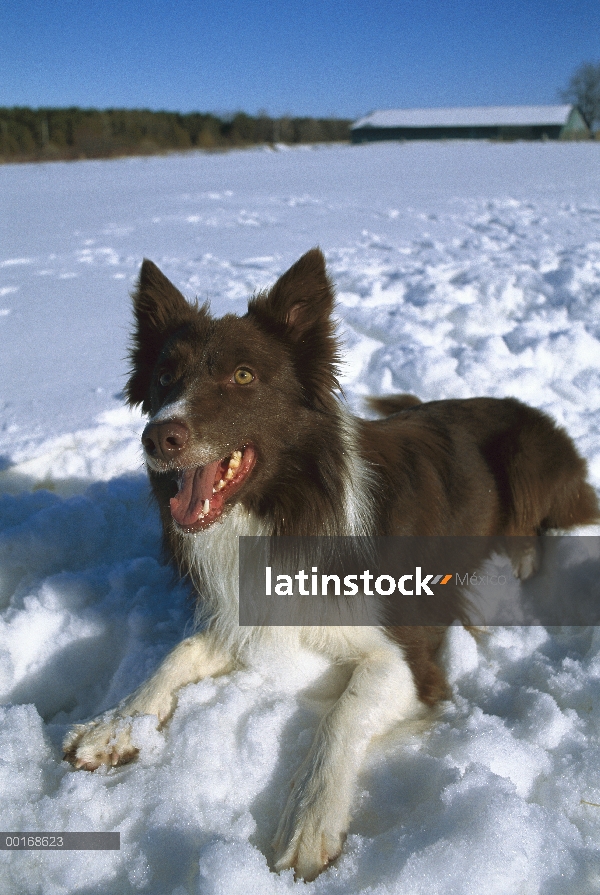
(473, 116)
(461, 269)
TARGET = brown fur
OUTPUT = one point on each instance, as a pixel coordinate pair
(389, 404)
(420, 645)
(480, 466)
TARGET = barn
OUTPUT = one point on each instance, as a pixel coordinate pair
(474, 123)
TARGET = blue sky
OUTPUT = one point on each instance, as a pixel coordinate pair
(300, 57)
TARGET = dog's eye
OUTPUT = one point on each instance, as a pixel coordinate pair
(243, 376)
(165, 379)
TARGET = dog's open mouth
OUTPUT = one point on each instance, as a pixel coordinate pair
(204, 490)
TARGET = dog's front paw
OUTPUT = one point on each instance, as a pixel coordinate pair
(105, 740)
(311, 833)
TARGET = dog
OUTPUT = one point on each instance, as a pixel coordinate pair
(247, 436)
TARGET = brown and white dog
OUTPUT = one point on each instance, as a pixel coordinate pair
(246, 436)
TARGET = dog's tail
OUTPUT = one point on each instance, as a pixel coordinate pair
(389, 404)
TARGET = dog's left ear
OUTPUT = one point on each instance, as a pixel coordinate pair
(301, 299)
(298, 308)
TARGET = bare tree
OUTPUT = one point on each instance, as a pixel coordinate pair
(584, 90)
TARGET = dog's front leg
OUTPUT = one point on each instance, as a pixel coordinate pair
(311, 833)
(107, 739)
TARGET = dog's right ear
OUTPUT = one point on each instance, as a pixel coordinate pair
(160, 310)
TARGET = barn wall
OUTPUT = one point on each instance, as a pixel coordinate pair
(576, 125)
(520, 132)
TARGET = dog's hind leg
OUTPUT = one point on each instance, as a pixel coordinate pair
(525, 554)
(107, 739)
(546, 477)
(575, 503)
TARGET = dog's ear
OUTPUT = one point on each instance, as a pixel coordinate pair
(298, 308)
(301, 299)
(160, 310)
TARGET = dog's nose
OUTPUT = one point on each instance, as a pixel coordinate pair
(163, 441)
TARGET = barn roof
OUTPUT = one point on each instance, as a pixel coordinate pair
(474, 116)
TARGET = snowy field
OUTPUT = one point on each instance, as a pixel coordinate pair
(462, 269)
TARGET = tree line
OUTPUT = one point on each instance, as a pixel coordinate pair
(37, 134)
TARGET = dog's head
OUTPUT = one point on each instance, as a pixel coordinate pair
(233, 402)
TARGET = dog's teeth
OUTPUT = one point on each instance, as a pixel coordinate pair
(229, 475)
(235, 461)
(206, 506)
(220, 485)
(237, 455)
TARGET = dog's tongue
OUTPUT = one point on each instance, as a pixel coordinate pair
(196, 487)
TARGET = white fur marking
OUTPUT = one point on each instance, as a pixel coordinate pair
(175, 410)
